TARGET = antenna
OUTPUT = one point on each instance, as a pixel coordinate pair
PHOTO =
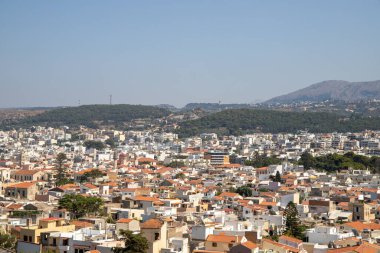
(111, 99)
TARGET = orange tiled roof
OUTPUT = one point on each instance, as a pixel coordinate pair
(124, 220)
(146, 159)
(90, 186)
(360, 226)
(22, 185)
(368, 248)
(145, 198)
(290, 239)
(151, 224)
(281, 245)
(81, 224)
(224, 238)
(249, 245)
(14, 206)
(84, 171)
(344, 250)
(26, 172)
(229, 194)
(68, 186)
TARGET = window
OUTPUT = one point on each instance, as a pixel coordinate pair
(65, 242)
(54, 242)
(30, 239)
(214, 244)
(156, 236)
(230, 245)
(25, 238)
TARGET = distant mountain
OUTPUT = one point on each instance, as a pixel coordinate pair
(332, 90)
(171, 108)
(90, 115)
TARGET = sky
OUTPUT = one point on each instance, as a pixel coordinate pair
(65, 53)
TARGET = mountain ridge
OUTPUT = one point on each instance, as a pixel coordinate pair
(331, 90)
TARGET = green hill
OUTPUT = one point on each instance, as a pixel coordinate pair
(91, 115)
(240, 121)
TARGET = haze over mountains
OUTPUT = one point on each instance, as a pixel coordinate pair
(332, 90)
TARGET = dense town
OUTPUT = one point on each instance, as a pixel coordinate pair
(143, 191)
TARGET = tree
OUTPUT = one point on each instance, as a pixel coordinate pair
(110, 142)
(94, 144)
(176, 164)
(244, 191)
(8, 241)
(180, 176)
(61, 176)
(91, 174)
(134, 243)
(80, 205)
(262, 160)
(307, 160)
(293, 225)
(277, 178)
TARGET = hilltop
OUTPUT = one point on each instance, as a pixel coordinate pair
(90, 115)
(332, 90)
(240, 121)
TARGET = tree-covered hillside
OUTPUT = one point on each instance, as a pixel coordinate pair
(337, 162)
(240, 121)
(90, 115)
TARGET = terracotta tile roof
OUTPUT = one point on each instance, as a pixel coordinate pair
(145, 198)
(68, 186)
(26, 172)
(14, 206)
(368, 248)
(290, 239)
(286, 247)
(90, 186)
(249, 245)
(360, 226)
(262, 169)
(145, 159)
(343, 250)
(84, 171)
(151, 224)
(124, 220)
(232, 165)
(22, 185)
(229, 194)
(224, 238)
(81, 224)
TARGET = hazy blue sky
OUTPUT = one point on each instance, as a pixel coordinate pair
(173, 51)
